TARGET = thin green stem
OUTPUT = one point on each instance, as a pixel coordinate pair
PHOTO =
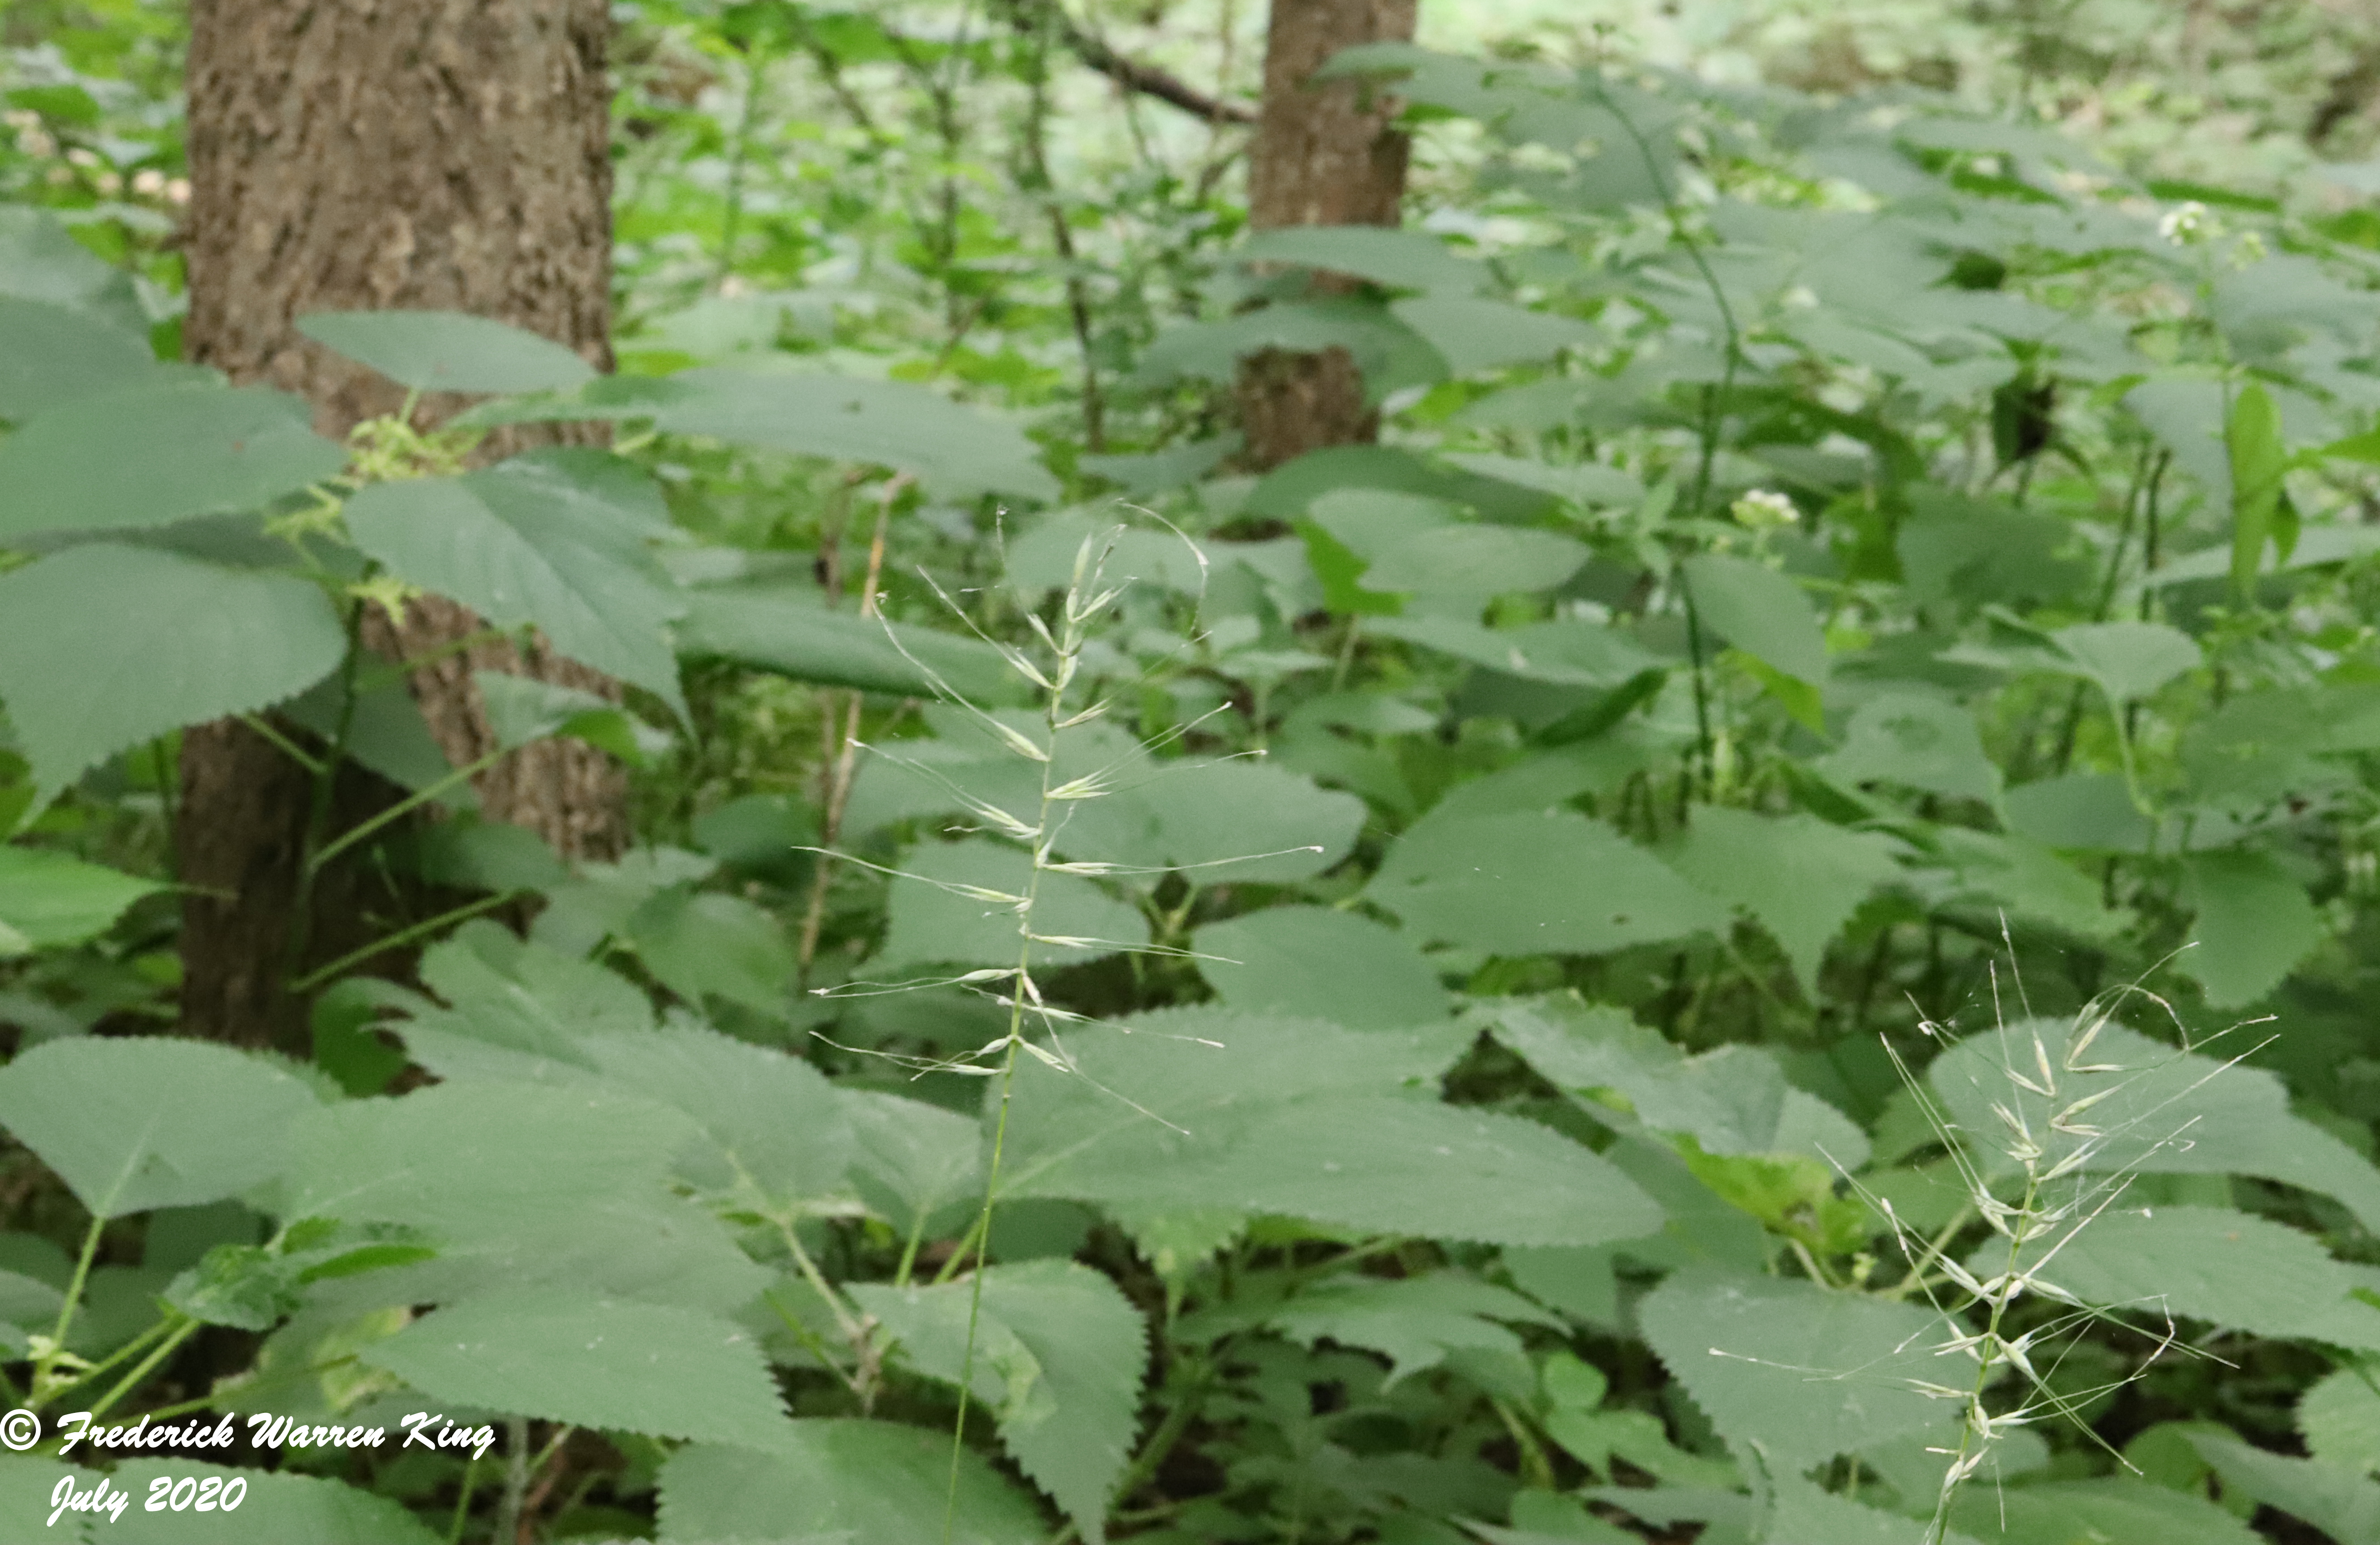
(283, 744)
(462, 1505)
(58, 1347)
(508, 1510)
(99, 1370)
(404, 807)
(147, 1365)
(398, 939)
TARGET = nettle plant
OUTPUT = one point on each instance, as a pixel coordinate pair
(1824, 560)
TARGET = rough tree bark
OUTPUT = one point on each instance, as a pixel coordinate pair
(368, 154)
(1323, 156)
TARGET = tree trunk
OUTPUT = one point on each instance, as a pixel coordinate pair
(374, 154)
(1323, 156)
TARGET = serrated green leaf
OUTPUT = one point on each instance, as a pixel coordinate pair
(1760, 612)
(1804, 1371)
(40, 260)
(1567, 652)
(1415, 1322)
(153, 455)
(792, 632)
(1070, 1427)
(1475, 334)
(135, 1123)
(1535, 884)
(52, 898)
(911, 1160)
(2127, 660)
(448, 351)
(1298, 1117)
(518, 552)
(2340, 1419)
(1399, 259)
(957, 451)
(2340, 1502)
(52, 355)
(1801, 878)
(1220, 821)
(636, 1368)
(2086, 811)
(2255, 922)
(700, 943)
(103, 647)
(2060, 1513)
(277, 1508)
(1470, 563)
(1800, 1513)
(1918, 741)
(879, 1480)
(1317, 962)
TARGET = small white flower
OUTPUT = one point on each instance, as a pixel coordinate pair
(35, 144)
(148, 182)
(1764, 509)
(178, 192)
(2183, 225)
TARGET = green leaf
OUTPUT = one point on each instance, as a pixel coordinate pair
(792, 632)
(773, 1122)
(638, 1368)
(150, 456)
(2255, 922)
(1317, 962)
(931, 924)
(700, 943)
(2339, 1418)
(1760, 612)
(2340, 1502)
(135, 1123)
(1473, 561)
(1806, 1372)
(2090, 812)
(876, 1479)
(277, 1508)
(448, 351)
(956, 451)
(1298, 1117)
(52, 898)
(1474, 335)
(2060, 1513)
(912, 1159)
(1918, 741)
(1068, 1411)
(103, 647)
(1800, 1513)
(2252, 438)
(1385, 350)
(40, 260)
(2238, 1118)
(1222, 821)
(2127, 660)
(1535, 884)
(52, 355)
(1385, 255)
(1414, 1323)
(1568, 652)
(516, 552)
(1800, 877)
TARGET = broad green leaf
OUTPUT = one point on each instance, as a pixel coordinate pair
(276, 1508)
(519, 552)
(2258, 458)
(1800, 1513)
(1916, 740)
(1806, 1372)
(1219, 821)
(1474, 335)
(2087, 810)
(448, 351)
(794, 633)
(911, 1160)
(2119, 1508)
(40, 260)
(774, 1125)
(1535, 884)
(1995, 875)
(51, 898)
(1043, 556)
(1567, 652)
(1386, 352)
(1473, 561)
(702, 944)
(2127, 660)
(1398, 259)
(867, 1481)
(2343, 1503)
(150, 456)
(2238, 1119)
(565, 1187)
(103, 647)
(956, 451)
(1760, 612)
(135, 1123)
(1196, 1110)
(638, 1368)
(1414, 1321)
(2233, 1270)
(1800, 877)
(1317, 962)
(1068, 1410)
(51, 355)
(1966, 553)
(933, 924)
(2254, 923)
(2340, 1419)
